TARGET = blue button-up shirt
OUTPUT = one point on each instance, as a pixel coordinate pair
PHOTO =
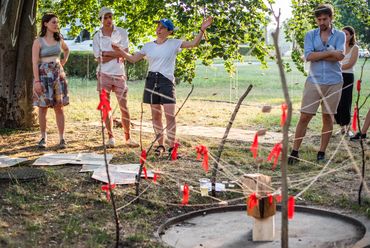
(322, 71)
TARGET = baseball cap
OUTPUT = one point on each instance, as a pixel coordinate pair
(103, 11)
(167, 23)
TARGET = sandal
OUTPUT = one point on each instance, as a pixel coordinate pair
(159, 150)
(170, 153)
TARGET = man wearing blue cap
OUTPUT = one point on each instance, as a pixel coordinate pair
(159, 85)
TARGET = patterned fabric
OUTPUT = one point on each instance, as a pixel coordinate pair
(54, 85)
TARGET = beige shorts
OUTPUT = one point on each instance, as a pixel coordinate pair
(115, 83)
(327, 95)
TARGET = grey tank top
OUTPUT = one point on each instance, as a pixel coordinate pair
(50, 51)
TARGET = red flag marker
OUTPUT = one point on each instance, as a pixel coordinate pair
(252, 201)
(278, 198)
(104, 104)
(143, 157)
(354, 122)
(106, 187)
(270, 199)
(202, 150)
(174, 151)
(275, 151)
(284, 107)
(185, 199)
(291, 202)
(358, 86)
(146, 174)
(254, 147)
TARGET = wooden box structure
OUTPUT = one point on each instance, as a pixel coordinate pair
(263, 221)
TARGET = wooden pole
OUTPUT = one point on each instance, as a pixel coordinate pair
(221, 147)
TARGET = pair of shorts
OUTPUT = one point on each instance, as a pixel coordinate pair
(327, 95)
(159, 89)
(115, 83)
(54, 84)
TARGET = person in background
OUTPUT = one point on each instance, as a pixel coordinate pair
(324, 47)
(111, 72)
(159, 86)
(50, 87)
(365, 127)
(343, 115)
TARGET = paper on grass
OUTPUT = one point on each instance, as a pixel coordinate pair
(119, 174)
(74, 158)
(6, 161)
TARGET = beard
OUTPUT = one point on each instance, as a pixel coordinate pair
(323, 27)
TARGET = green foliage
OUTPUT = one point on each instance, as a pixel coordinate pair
(81, 63)
(234, 23)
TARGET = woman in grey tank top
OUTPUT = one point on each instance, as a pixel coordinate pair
(50, 87)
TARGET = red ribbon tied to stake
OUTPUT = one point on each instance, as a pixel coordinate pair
(185, 199)
(174, 151)
(271, 199)
(275, 151)
(354, 122)
(143, 157)
(203, 150)
(291, 203)
(104, 104)
(254, 147)
(358, 86)
(155, 175)
(145, 173)
(284, 107)
(278, 198)
(252, 201)
(106, 187)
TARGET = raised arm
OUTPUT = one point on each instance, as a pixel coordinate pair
(196, 41)
(126, 55)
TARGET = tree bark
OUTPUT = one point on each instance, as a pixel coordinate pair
(17, 32)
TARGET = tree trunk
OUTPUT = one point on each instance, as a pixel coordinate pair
(17, 32)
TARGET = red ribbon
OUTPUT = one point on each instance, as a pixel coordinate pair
(146, 174)
(203, 150)
(291, 207)
(104, 104)
(354, 122)
(278, 198)
(283, 116)
(143, 157)
(252, 201)
(275, 151)
(185, 199)
(155, 175)
(254, 147)
(270, 199)
(106, 187)
(358, 86)
(174, 151)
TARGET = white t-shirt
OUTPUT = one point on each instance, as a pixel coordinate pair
(346, 59)
(111, 67)
(162, 57)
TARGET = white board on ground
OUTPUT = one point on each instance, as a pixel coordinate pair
(50, 159)
(119, 174)
(6, 161)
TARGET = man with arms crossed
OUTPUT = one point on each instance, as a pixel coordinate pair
(112, 77)
(324, 47)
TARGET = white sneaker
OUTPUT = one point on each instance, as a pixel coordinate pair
(132, 143)
(110, 143)
(349, 134)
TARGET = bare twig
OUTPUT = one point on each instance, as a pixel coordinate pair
(221, 147)
(284, 183)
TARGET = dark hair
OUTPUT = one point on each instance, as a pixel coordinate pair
(324, 9)
(351, 31)
(46, 18)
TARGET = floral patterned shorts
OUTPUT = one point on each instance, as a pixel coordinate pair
(54, 84)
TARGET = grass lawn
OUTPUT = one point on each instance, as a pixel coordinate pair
(69, 209)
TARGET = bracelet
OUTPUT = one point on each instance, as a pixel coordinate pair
(37, 81)
(205, 37)
(202, 30)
